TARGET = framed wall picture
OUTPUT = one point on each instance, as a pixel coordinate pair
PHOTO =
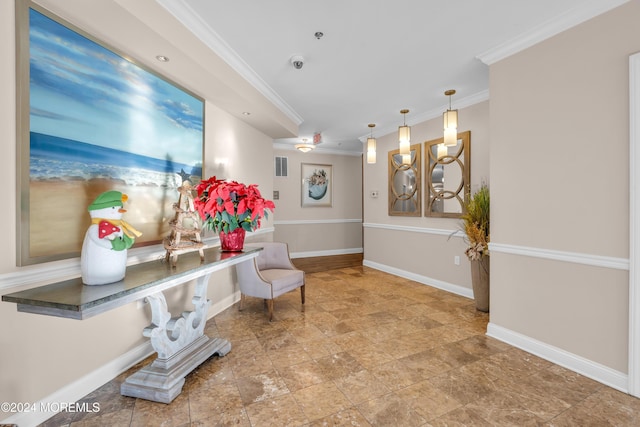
(317, 184)
(91, 120)
(447, 177)
(404, 182)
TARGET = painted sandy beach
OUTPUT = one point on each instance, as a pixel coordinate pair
(66, 176)
(59, 217)
(99, 122)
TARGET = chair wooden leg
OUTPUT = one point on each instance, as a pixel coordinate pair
(270, 306)
(241, 302)
(302, 293)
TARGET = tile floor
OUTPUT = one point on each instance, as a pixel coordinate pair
(369, 349)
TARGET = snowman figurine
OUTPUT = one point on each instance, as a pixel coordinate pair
(104, 250)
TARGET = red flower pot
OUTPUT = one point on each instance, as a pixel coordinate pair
(232, 241)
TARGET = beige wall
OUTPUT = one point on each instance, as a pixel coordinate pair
(82, 352)
(314, 231)
(41, 355)
(8, 131)
(557, 163)
(559, 174)
(420, 247)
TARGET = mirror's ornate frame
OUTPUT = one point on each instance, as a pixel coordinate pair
(447, 201)
(405, 201)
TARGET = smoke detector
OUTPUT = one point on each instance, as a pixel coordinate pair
(297, 61)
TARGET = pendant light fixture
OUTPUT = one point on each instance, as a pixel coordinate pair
(450, 123)
(443, 151)
(404, 139)
(304, 147)
(371, 146)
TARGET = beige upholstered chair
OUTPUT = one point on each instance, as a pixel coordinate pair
(269, 275)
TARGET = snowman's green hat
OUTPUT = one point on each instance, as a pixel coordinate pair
(108, 199)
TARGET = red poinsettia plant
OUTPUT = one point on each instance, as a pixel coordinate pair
(227, 205)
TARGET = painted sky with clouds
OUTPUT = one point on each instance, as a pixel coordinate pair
(82, 91)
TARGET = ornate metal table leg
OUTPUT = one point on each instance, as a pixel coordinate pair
(181, 346)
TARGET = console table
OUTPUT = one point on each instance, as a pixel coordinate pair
(179, 341)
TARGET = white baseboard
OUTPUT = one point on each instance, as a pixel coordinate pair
(330, 252)
(588, 368)
(223, 304)
(80, 388)
(85, 385)
(445, 286)
(603, 374)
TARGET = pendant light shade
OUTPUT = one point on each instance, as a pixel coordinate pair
(371, 146)
(443, 151)
(371, 156)
(450, 123)
(450, 137)
(404, 136)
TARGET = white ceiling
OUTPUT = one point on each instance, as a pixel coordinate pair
(376, 56)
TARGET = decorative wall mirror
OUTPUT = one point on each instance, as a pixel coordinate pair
(447, 178)
(404, 183)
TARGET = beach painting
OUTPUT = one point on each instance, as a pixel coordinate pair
(99, 122)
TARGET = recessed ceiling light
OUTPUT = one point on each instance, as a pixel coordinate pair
(162, 58)
(246, 113)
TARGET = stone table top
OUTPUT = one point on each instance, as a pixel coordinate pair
(73, 299)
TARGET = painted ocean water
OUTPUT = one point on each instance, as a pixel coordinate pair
(61, 159)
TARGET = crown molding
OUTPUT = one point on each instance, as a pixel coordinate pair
(569, 19)
(191, 20)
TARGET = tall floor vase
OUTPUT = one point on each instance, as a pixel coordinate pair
(232, 241)
(480, 283)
